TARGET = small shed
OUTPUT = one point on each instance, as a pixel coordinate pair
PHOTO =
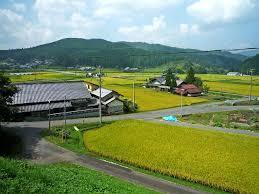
(110, 100)
(113, 106)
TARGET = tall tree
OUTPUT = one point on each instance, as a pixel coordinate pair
(170, 79)
(7, 91)
(190, 77)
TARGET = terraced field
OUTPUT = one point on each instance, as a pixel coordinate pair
(225, 161)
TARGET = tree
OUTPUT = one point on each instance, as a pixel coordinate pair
(170, 79)
(190, 78)
(7, 91)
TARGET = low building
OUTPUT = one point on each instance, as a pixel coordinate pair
(160, 82)
(234, 74)
(131, 69)
(36, 99)
(110, 101)
(188, 90)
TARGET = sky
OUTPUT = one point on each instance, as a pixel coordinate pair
(199, 24)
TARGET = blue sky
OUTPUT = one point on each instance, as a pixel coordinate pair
(201, 24)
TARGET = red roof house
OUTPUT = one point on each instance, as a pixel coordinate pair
(188, 90)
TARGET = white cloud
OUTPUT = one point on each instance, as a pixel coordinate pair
(154, 32)
(211, 11)
(184, 28)
(189, 29)
(108, 8)
(20, 7)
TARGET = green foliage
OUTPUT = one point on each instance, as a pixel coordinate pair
(190, 77)
(225, 161)
(129, 107)
(20, 177)
(73, 51)
(170, 79)
(251, 63)
(227, 119)
(7, 91)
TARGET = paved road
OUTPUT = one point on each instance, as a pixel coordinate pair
(41, 151)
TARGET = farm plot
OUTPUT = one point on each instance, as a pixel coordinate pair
(247, 120)
(146, 98)
(225, 161)
(231, 84)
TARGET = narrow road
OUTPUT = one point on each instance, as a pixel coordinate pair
(39, 150)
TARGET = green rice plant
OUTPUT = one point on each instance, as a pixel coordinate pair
(225, 161)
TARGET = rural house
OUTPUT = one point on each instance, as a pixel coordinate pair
(35, 99)
(234, 74)
(159, 82)
(188, 90)
(110, 101)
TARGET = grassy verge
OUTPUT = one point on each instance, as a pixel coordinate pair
(225, 161)
(246, 120)
(20, 177)
(75, 144)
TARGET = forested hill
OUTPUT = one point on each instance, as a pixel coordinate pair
(251, 63)
(74, 51)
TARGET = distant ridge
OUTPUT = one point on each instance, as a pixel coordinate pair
(77, 52)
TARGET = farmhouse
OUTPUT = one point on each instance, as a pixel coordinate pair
(110, 100)
(188, 90)
(234, 74)
(159, 82)
(35, 99)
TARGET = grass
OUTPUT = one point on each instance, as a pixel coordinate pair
(75, 144)
(225, 161)
(247, 120)
(20, 177)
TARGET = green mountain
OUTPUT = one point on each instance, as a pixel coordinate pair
(251, 63)
(78, 52)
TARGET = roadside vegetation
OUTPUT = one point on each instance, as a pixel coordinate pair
(225, 161)
(76, 143)
(248, 120)
(21, 177)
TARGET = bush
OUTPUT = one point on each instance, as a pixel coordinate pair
(128, 106)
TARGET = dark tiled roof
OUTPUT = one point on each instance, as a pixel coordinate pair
(44, 92)
(41, 107)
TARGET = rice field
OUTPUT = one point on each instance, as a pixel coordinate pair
(231, 84)
(146, 98)
(225, 161)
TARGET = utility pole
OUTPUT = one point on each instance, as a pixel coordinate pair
(49, 114)
(65, 119)
(181, 103)
(100, 95)
(133, 95)
(251, 84)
